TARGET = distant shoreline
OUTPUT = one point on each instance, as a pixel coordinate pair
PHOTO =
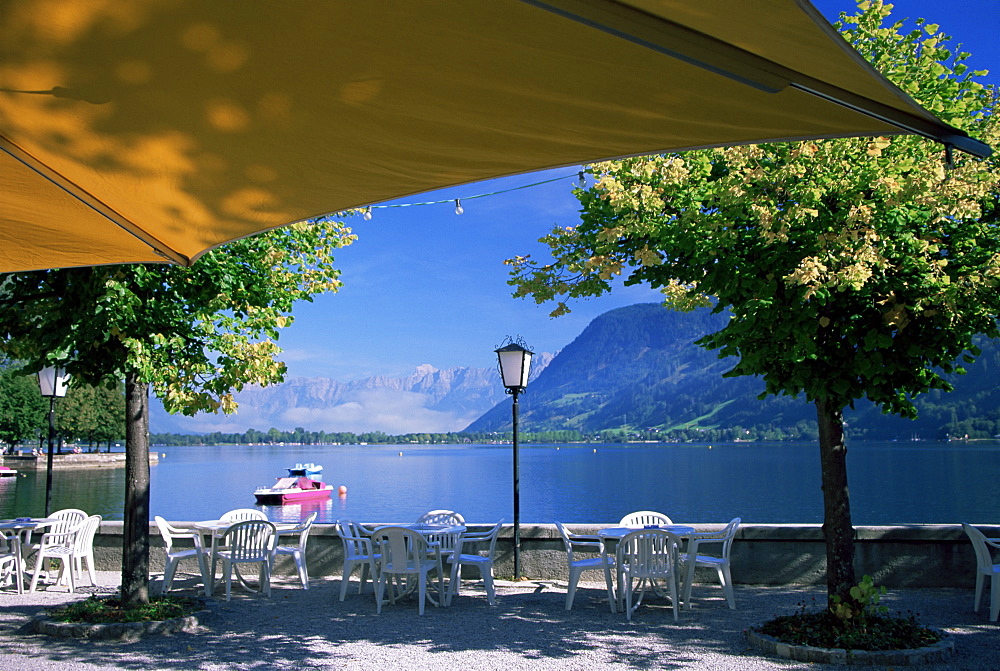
(644, 443)
(64, 461)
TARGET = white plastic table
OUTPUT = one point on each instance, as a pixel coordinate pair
(617, 533)
(23, 526)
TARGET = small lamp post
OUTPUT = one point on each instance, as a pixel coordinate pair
(52, 383)
(515, 363)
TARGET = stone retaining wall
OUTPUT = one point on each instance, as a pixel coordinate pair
(763, 554)
(30, 462)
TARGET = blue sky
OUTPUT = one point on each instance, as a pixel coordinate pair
(423, 285)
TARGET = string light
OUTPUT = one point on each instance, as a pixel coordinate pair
(367, 211)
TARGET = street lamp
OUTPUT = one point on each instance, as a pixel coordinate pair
(52, 383)
(515, 363)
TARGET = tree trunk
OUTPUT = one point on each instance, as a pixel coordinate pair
(837, 528)
(135, 540)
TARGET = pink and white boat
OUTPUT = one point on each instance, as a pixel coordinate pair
(7, 472)
(293, 490)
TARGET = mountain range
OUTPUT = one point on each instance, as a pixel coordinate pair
(428, 400)
(635, 369)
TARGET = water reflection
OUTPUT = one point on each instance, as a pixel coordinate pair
(763, 483)
(97, 491)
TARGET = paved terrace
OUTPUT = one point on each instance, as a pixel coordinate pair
(528, 629)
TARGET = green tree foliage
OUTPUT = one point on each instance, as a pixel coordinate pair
(92, 414)
(852, 267)
(23, 411)
(195, 335)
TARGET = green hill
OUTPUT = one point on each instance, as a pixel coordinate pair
(637, 369)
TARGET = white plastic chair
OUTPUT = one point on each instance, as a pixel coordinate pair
(10, 559)
(298, 552)
(583, 543)
(64, 547)
(171, 534)
(441, 517)
(484, 563)
(83, 548)
(357, 552)
(645, 556)
(249, 542)
(720, 563)
(445, 543)
(404, 555)
(243, 514)
(67, 519)
(985, 568)
(230, 518)
(644, 517)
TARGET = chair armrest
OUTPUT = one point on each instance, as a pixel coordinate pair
(587, 546)
(64, 538)
(585, 538)
(187, 536)
(476, 537)
(695, 541)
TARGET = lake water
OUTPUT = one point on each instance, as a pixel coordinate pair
(890, 483)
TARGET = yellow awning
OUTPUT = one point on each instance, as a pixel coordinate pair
(151, 130)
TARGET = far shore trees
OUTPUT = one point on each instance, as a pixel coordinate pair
(195, 335)
(92, 414)
(22, 410)
(852, 267)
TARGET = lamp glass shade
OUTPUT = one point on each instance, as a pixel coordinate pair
(515, 364)
(52, 382)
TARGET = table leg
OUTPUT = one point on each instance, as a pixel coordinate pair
(18, 569)
(210, 587)
(621, 590)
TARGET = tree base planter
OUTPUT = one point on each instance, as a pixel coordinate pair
(43, 623)
(936, 652)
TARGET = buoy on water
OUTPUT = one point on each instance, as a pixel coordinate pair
(400, 454)
(342, 490)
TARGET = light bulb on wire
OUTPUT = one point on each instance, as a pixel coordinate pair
(367, 212)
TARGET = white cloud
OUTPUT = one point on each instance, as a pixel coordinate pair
(394, 412)
(390, 411)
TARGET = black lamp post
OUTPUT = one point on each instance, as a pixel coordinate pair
(52, 383)
(515, 363)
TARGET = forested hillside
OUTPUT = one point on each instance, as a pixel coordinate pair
(637, 370)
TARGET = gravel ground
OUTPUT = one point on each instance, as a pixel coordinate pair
(527, 629)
